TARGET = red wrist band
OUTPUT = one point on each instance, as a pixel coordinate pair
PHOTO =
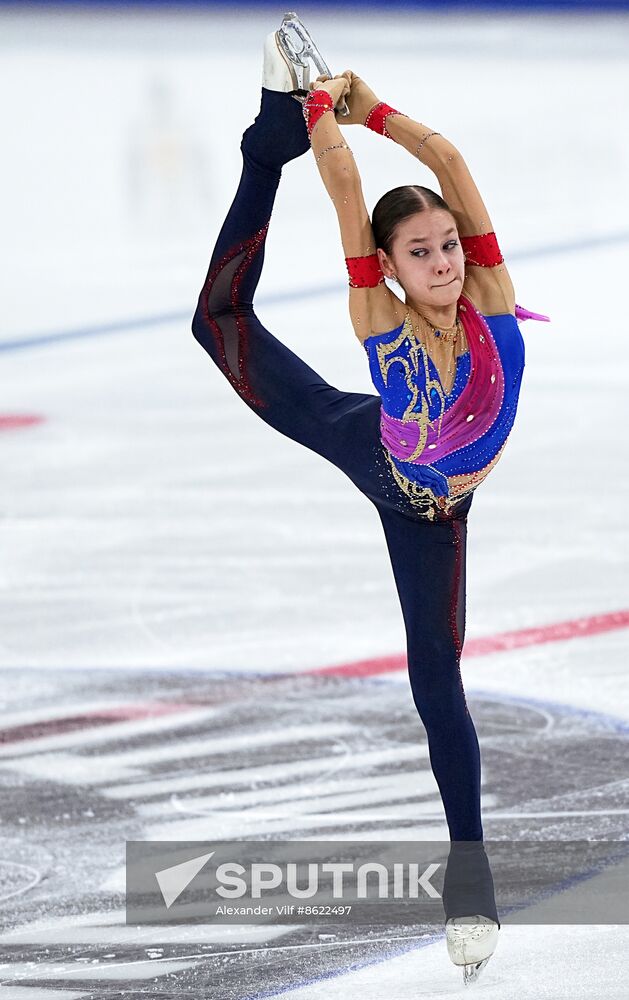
(364, 272)
(376, 120)
(315, 105)
(483, 251)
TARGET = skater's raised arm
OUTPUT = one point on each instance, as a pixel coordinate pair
(372, 309)
(487, 279)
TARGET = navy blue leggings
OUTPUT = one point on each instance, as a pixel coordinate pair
(428, 557)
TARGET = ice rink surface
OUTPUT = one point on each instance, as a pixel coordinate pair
(174, 573)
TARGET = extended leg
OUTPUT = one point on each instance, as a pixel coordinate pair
(270, 378)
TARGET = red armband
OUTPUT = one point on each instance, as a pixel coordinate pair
(483, 251)
(364, 272)
(315, 105)
(376, 120)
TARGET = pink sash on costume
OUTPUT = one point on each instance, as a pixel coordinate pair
(476, 409)
(522, 313)
(480, 401)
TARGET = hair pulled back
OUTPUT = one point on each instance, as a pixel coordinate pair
(399, 204)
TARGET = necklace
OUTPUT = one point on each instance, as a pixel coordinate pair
(447, 334)
(443, 335)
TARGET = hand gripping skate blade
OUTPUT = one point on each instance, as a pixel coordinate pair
(472, 972)
(299, 50)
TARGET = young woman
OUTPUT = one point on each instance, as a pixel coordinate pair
(447, 365)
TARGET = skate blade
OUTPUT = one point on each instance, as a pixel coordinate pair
(299, 49)
(472, 972)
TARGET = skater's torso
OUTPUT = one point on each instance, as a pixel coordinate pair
(442, 438)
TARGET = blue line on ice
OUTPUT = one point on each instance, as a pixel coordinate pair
(39, 340)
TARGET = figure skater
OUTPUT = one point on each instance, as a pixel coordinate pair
(447, 365)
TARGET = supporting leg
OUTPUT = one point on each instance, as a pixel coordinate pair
(428, 560)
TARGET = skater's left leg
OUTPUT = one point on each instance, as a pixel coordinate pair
(429, 560)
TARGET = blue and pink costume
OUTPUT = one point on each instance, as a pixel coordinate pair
(380, 444)
(441, 446)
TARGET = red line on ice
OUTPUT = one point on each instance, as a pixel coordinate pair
(13, 421)
(98, 717)
(577, 628)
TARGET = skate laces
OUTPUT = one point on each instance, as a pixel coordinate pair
(470, 931)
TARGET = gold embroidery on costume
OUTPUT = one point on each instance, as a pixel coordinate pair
(386, 354)
(459, 487)
(420, 496)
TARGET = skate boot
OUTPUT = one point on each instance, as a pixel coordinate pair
(289, 54)
(471, 942)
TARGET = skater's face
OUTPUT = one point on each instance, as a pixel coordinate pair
(427, 258)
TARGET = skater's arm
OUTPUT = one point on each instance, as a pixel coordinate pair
(372, 310)
(488, 285)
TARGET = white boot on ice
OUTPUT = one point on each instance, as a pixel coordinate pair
(289, 56)
(471, 942)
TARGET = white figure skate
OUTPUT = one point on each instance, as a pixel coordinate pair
(289, 54)
(471, 942)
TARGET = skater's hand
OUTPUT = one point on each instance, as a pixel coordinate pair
(337, 87)
(360, 101)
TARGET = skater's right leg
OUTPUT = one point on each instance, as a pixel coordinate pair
(343, 427)
(270, 378)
